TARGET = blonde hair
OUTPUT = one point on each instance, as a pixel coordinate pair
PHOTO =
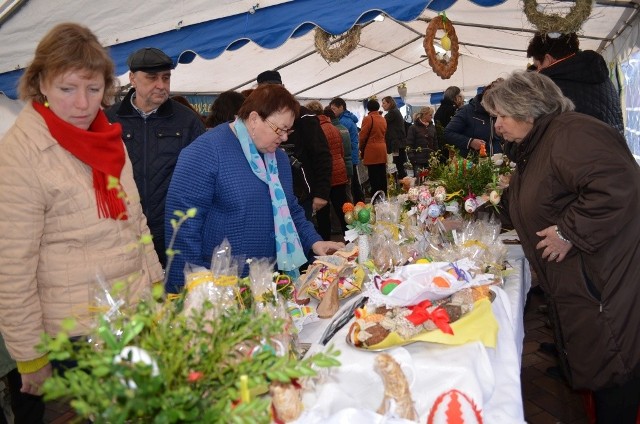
(427, 110)
(315, 107)
(67, 47)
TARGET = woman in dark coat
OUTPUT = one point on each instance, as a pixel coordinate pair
(574, 200)
(422, 139)
(395, 135)
(472, 127)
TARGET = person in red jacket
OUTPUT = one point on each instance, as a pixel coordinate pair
(373, 147)
(339, 178)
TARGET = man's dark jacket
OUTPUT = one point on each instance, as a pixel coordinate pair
(584, 78)
(153, 146)
(445, 112)
(473, 121)
(309, 146)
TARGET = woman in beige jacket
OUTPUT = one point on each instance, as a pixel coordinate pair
(63, 222)
(373, 147)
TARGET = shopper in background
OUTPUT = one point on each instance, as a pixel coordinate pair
(224, 108)
(155, 129)
(395, 136)
(339, 179)
(350, 121)
(373, 147)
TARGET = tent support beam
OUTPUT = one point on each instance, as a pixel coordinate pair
(359, 66)
(531, 31)
(381, 78)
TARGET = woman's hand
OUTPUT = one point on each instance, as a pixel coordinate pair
(32, 382)
(318, 203)
(555, 249)
(322, 248)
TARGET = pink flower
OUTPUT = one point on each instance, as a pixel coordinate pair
(194, 376)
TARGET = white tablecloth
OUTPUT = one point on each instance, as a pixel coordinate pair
(489, 377)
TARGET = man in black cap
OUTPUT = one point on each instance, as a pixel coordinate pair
(155, 129)
(309, 155)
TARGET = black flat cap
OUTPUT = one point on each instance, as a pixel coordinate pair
(149, 59)
(269, 77)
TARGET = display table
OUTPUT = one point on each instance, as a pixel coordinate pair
(487, 379)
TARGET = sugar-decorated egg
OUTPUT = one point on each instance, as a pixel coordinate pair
(470, 205)
(433, 211)
(494, 197)
(440, 194)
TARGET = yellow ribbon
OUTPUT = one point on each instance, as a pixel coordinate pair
(450, 196)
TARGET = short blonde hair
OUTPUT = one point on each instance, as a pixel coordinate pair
(427, 110)
(67, 47)
(315, 107)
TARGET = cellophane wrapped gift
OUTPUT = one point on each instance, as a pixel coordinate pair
(106, 305)
(217, 285)
(266, 299)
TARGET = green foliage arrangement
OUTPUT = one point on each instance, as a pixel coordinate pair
(159, 364)
(471, 175)
(194, 369)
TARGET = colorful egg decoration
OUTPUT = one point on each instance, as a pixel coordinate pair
(440, 194)
(364, 215)
(470, 205)
(433, 211)
(348, 217)
(494, 197)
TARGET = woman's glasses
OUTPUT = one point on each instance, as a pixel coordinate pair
(279, 131)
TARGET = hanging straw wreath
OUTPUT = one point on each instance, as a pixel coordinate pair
(556, 23)
(334, 48)
(444, 69)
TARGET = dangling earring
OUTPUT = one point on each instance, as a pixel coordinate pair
(46, 102)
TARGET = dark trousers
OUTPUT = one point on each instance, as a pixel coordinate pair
(27, 409)
(338, 197)
(400, 161)
(618, 405)
(356, 188)
(377, 178)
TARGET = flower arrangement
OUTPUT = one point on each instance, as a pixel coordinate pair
(470, 177)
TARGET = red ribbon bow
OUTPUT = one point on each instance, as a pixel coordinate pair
(438, 316)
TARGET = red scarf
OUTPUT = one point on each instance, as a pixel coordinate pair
(101, 148)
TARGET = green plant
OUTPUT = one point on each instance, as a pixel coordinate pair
(193, 372)
(156, 363)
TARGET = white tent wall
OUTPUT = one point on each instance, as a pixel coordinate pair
(9, 110)
(493, 42)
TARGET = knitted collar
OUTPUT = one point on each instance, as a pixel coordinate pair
(101, 148)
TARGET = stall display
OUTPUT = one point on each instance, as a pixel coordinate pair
(421, 319)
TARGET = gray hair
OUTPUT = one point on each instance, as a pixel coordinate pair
(452, 92)
(526, 95)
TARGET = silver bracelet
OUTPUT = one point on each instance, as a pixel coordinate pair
(561, 237)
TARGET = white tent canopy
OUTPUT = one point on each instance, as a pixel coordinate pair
(493, 41)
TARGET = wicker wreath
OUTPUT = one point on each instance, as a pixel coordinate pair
(556, 23)
(442, 68)
(334, 48)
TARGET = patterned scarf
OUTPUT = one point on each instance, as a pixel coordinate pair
(101, 148)
(289, 252)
